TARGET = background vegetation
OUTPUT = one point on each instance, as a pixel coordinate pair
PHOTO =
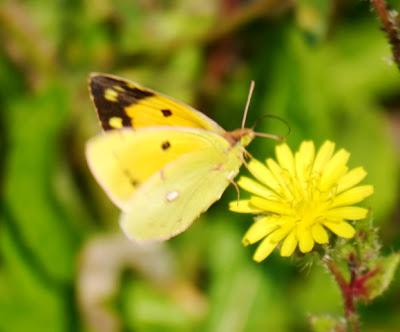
(324, 66)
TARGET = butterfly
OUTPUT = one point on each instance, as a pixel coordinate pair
(160, 161)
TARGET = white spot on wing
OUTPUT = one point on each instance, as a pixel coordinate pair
(172, 196)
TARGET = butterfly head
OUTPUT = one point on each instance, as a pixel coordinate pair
(242, 136)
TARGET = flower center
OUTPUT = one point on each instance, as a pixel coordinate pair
(308, 203)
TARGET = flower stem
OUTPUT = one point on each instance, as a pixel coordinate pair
(390, 25)
(350, 311)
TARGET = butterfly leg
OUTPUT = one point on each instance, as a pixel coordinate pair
(236, 187)
(246, 154)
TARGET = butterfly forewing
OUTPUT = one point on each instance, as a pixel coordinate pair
(122, 103)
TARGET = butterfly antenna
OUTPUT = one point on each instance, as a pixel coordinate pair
(246, 109)
(277, 138)
(273, 116)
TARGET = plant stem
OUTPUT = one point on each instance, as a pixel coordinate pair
(350, 311)
(390, 24)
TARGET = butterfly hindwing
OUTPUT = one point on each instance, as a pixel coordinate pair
(169, 202)
(122, 103)
(124, 160)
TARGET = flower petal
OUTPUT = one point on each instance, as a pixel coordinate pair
(282, 176)
(269, 205)
(285, 157)
(242, 206)
(284, 230)
(323, 156)
(289, 245)
(319, 234)
(353, 196)
(334, 169)
(260, 229)
(306, 242)
(304, 159)
(263, 174)
(347, 212)
(342, 229)
(264, 249)
(254, 187)
(351, 179)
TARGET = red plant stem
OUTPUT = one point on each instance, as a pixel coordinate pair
(346, 289)
(390, 25)
(368, 275)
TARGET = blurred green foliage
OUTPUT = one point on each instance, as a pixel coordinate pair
(323, 66)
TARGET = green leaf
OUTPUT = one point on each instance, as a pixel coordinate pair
(146, 308)
(28, 300)
(327, 323)
(386, 269)
(29, 199)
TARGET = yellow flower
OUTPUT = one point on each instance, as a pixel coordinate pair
(300, 197)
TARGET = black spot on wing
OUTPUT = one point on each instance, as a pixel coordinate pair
(166, 112)
(132, 180)
(126, 96)
(165, 145)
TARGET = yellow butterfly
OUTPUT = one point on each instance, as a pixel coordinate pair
(160, 161)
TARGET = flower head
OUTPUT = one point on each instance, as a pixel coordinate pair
(301, 196)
